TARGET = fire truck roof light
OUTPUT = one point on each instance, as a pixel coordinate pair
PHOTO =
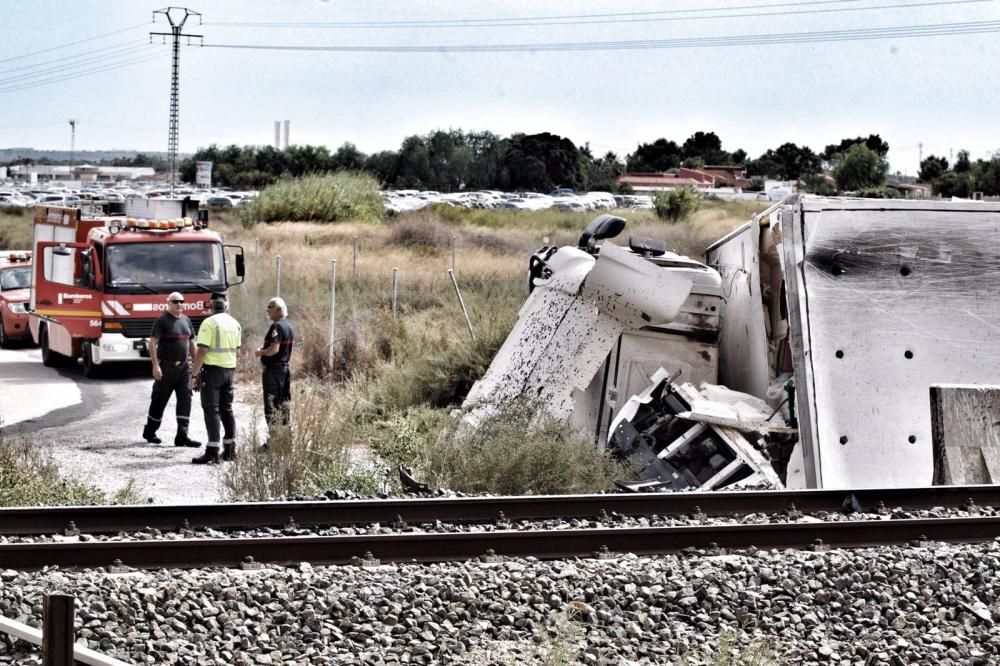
(139, 224)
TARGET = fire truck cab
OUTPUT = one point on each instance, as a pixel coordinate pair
(99, 282)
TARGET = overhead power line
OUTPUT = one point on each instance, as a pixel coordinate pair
(901, 32)
(7, 127)
(73, 56)
(69, 44)
(79, 64)
(28, 85)
(701, 14)
(474, 21)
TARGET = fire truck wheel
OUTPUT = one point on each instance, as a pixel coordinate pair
(51, 359)
(90, 369)
(4, 340)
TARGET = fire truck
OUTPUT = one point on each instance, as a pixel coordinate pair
(100, 282)
(15, 278)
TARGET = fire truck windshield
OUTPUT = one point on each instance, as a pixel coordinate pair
(15, 278)
(159, 266)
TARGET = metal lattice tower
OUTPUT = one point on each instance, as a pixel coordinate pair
(176, 17)
(72, 146)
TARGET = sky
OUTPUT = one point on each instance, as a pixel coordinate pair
(755, 72)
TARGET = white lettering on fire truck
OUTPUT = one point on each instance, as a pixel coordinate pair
(75, 297)
(149, 307)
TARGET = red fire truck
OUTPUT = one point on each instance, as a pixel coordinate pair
(15, 278)
(100, 282)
